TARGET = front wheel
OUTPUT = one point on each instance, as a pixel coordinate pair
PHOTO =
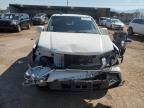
(28, 26)
(130, 31)
(18, 28)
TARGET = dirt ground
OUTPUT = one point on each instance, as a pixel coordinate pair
(15, 49)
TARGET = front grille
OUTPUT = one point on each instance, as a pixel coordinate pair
(117, 26)
(82, 62)
(59, 60)
(4, 23)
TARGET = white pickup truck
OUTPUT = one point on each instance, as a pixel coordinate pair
(74, 53)
(136, 26)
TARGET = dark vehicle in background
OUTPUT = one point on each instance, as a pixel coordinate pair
(15, 21)
(40, 18)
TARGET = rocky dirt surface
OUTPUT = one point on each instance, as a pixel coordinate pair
(15, 50)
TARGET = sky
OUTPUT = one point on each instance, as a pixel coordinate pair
(114, 4)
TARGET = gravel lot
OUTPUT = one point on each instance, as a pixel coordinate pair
(15, 49)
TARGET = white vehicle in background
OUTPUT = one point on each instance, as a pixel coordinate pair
(115, 24)
(74, 53)
(136, 26)
(102, 21)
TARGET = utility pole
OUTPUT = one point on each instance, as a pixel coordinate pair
(67, 7)
(67, 3)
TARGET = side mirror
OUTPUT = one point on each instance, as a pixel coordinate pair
(104, 31)
(40, 28)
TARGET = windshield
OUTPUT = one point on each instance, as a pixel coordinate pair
(10, 16)
(103, 18)
(72, 24)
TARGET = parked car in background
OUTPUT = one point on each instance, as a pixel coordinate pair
(40, 18)
(102, 21)
(15, 21)
(136, 26)
(115, 24)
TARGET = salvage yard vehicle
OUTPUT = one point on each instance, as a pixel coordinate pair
(136, 26)
(102, 21)
(73, 53)
(115, 24)
(15, 21)
(40, 18)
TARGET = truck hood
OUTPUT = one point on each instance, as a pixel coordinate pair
(75, 43)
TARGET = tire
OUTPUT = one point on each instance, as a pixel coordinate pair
(28, 26)
(18, 28)
(111, 27)
(119, 80)
(130, 31)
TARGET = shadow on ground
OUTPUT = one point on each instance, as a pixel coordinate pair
(137, 37)
(8, 31)
(14, 95)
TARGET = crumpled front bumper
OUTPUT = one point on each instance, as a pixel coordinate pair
(70, 79)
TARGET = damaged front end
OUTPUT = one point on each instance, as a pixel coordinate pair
(73, 79)
(73, 53)
(77, 72)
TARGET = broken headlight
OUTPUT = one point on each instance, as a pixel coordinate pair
(104, 62)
